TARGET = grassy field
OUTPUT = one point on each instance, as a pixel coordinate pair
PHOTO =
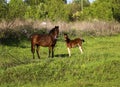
(98, 66)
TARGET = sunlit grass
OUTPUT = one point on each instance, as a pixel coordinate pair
(98, 66)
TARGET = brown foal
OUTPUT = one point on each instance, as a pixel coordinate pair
(73, 43)
(45, 40)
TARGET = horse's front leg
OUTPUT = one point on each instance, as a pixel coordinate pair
(52, 52)
(51, 49)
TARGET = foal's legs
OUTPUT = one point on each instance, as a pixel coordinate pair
(80, 48)
(37, 50)
(69, 51)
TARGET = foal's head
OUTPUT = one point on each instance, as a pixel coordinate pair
(54, 32)
(66, 37)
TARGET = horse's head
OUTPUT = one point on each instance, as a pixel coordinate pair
(57, 30)
(54, 32)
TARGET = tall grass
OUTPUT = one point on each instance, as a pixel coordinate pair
(14, 32)
(98, 27)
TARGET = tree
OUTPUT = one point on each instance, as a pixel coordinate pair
(103, 10)
(99, 9)
(56, 10)
(3, 9)
(85, 3)
(17, 9)
(65, 1)
(33, 2)
(77, 7)
(36, 11)
(116, 9)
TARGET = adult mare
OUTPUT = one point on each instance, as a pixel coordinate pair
(44, 40)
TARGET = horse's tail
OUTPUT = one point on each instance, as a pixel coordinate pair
(82, 40)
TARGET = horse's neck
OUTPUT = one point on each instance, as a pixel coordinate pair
(52, 35)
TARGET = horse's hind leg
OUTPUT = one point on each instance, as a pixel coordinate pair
(37, 50)
(49, 51)
(33, 50)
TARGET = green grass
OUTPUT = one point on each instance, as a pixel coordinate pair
(98, 66)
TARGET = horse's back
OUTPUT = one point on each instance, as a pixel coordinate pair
(41, 40)
(79, 40)
(76, 42)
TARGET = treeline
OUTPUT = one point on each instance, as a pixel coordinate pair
(59, 10)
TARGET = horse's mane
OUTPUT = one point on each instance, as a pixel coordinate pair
(53, 29)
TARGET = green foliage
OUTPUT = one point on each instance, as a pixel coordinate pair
(98, 10)
(85, 3)
(52, 9)
(35, 12)
(102, 10)
(33, 2)
(58, 10)
(10, 37)
(3, 9)
(16, 9)
(115, 9)
(76, 7)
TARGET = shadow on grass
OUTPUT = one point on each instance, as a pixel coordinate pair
(62, 55)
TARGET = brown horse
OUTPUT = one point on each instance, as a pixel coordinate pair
(73, 43)
(45, 40)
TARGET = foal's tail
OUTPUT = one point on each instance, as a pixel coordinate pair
(82, 40)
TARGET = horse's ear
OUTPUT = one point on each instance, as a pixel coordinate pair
(56, 26)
